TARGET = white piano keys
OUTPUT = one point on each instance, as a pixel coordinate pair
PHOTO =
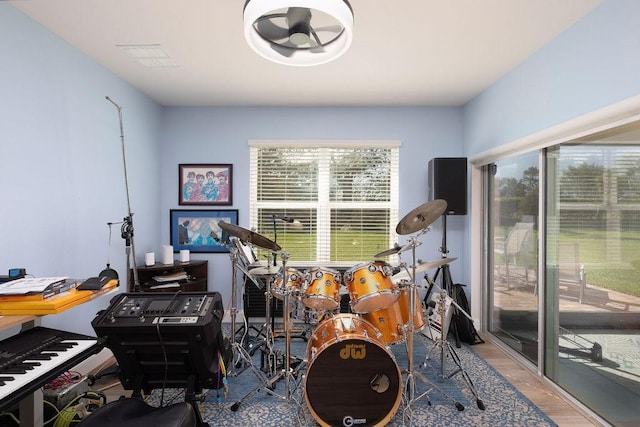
(45, 366)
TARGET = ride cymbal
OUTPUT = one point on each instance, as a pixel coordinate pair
(249, 236)
(423, 266)
(421, 217)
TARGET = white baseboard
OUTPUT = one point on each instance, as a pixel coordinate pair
(227, 316)
(95, 363)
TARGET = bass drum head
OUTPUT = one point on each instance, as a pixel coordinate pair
(363, 389)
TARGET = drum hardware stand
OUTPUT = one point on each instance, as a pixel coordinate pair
(287, 373)
(411, 398)
(269, 357)
(446, 280)
(447, 349)
(244, 359)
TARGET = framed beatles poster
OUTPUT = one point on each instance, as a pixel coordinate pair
(205, 184)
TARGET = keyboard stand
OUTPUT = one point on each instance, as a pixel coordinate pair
(31, 407)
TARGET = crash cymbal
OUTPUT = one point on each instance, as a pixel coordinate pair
(394, 250)
(421, 217)
(423, 266)
(249, 236)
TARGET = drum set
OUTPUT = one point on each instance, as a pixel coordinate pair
(349, 374)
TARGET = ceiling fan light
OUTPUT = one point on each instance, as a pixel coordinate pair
(298, 37)
(340, 10)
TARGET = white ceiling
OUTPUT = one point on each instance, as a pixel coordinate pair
(404, 52)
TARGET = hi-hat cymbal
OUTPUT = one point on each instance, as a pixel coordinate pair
(421, 217)
(270, 270)
(391, 251)
(423, 266)
(249, 236)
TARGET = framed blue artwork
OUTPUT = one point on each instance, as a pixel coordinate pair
(198, 230)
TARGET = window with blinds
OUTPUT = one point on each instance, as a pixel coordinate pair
(325, 203)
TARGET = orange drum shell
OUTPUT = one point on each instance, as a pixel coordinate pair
(322, 289)
(293, 285)
(370, 290)
(389, 322)
(393, 320)
(418, 317)
(337, 328)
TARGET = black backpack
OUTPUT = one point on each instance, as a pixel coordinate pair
(463, 325)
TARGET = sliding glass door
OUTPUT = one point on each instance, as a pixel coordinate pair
(566, 286)
(513, 229)
(592, 337)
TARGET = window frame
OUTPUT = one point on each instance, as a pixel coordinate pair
(324, 206)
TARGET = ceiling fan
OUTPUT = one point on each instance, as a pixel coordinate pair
(299, 32)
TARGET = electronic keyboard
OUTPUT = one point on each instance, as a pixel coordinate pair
(32, 358)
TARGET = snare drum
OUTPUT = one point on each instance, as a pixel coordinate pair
(370, 286)
(322, 289)
(292, 286)
(351, 374)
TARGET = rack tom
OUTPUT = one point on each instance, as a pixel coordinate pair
(322, 289)
(370, 286)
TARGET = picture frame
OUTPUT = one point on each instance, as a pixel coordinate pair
(198, 230)
(205, 184)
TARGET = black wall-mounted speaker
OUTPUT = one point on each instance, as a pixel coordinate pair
(448, 181)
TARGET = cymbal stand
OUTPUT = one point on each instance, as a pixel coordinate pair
(241, 356)
(446, 349)
(446, 280)
(410, 397)
(266, 330)
(287, 373)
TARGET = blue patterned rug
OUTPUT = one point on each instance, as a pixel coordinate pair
(347, 388)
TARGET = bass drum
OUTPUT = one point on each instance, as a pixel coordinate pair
(352, 378)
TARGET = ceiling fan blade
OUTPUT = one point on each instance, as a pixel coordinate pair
(315, 43)
(270, 31)
(283, 50)
(298, 15)
(330, 29)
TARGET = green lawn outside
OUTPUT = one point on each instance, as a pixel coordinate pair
(611, 262)
(619, 273)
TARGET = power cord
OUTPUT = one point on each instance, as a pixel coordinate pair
(76, 409)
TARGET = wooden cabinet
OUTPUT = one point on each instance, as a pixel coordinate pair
(190, 276)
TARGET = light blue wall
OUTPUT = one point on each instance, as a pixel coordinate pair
(65, 136)
(593, 64)
(60, 143)
(62, 174)
(221, 135)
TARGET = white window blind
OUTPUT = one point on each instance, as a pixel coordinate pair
(342, 196)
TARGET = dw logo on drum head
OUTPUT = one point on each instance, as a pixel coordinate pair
(353, 351)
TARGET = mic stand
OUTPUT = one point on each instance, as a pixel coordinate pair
(127, 226)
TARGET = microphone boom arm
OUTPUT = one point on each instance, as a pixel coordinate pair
(127, 226)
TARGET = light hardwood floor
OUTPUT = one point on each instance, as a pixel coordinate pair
(559, 409)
